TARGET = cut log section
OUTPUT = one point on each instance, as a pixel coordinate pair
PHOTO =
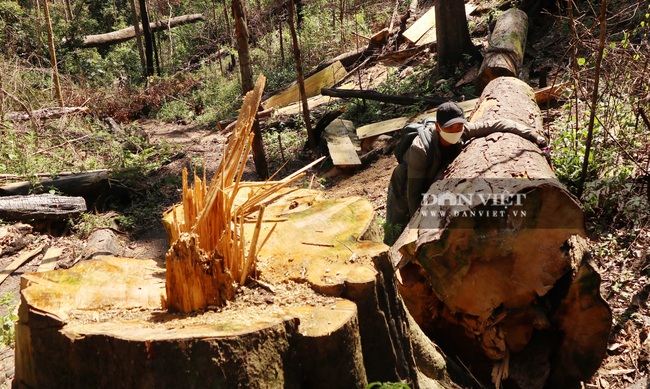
(505, 52)
(105, 319)
(489, 270)
(41, 207)
(340, 146)
(313, 84)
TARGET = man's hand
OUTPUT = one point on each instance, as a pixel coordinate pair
(541, 141)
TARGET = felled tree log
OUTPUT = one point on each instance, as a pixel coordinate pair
(46, 113)
(41, 207)
(505, 53)
(87, 184)
(324, 313)
(123, 35)
(492, 267)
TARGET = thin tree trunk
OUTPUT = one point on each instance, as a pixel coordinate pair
(246, 70)
(138, 37)
(37, 7)
(452, 33)
(68, 10)
(50, 42)
(594, 96)
(148, 38)
(156, 52)
(281, 41)
(313, 142)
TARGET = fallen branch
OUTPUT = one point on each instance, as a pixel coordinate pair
(19, 261)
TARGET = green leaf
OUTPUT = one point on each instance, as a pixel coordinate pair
(581, 61)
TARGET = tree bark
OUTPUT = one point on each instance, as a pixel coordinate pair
(41, 207)
(505, 52)
(311, 138)
(89, 184)
(138, 36)
(492, 281)
(125, 34)
(50, 43)
(148, 37)
(246, 70)
(452, 34)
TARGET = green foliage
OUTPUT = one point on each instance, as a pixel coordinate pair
(283, 144)
(612, 196)
(219, 97)
(8, 321)
(174, 110)
(80, 146)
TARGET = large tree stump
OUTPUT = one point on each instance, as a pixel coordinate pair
(493, 266)
(505, 52)
(324, 313)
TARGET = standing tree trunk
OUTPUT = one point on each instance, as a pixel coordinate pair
(138, 36)
(50, 42)
(452, 34)
(281, 40)
(313, 142)
(246, 70)
(148, 37)
(229, 32)
(68, 10)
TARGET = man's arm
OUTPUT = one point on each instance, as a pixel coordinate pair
(417, 162)
(487, 127)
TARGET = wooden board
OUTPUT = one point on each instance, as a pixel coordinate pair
(313, 102)
(22, 258)
(322, 79)
(421, 26)
(339, 144)
(423, 31)
(49, 259)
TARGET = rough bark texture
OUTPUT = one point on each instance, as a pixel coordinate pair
(496, 285)
(41, 207)
(452, 33)
(125, 34)
(89, 184)
(102, 323)
(505, 52)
